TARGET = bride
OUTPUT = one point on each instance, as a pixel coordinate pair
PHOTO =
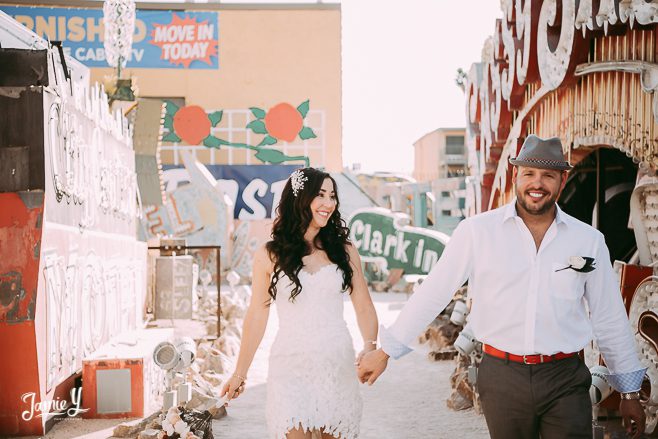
(312, 385)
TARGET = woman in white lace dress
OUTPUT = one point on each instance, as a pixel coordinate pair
(306, 270)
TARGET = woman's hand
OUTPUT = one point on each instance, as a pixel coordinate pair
(369, 347)
(372, 366)
(233, 387)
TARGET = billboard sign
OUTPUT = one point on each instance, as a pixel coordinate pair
(162, 39)
(254, 189)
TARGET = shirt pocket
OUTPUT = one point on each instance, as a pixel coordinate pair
(565, 284)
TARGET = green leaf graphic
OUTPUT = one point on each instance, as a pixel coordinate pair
(257, 112)
(171, 137)
(267, 140)
(171, 108)
(271, 156)
(306, 133)
(276, 157)
(215, 117)
(257, 126)
(168, 122)
(303, 108)
(213, 142)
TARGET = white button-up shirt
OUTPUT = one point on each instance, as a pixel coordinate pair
(522, 302)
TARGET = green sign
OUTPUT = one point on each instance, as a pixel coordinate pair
(380, 234)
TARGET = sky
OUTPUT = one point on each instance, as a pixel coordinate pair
(400, 60)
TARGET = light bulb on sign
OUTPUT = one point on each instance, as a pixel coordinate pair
(119, 20)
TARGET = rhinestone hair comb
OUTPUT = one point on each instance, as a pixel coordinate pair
(297, 180)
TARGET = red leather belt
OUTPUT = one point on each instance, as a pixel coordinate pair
(526, 359)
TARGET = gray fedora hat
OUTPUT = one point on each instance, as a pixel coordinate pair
(541, 153)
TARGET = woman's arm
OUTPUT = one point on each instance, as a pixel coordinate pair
(366, 316)
(255, 322)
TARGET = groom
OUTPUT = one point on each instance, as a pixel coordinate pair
(534, 307)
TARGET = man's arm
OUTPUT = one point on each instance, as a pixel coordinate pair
(614, 337)
(610, 324)
(435, 293)
(431, 297)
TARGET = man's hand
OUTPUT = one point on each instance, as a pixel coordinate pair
(365, 350)
(631, 410)
(371, 365)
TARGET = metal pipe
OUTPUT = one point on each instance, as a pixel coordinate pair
(219, 288)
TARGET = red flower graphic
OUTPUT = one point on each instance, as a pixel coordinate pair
(191, 123)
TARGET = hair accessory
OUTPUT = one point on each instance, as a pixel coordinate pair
(297, 180)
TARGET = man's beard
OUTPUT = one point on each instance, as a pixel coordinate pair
(544, 208)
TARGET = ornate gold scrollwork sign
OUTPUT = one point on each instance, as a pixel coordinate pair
(536, 47)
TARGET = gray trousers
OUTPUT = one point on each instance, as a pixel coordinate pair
(549, 400)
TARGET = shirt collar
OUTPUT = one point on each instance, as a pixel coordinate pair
(510, 212)
(560, 216)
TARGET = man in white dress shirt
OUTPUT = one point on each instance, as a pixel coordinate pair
(534, 307)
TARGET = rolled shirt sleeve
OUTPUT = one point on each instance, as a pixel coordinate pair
(390, 345)
(627, 382)
(433, 295)
(610, 324)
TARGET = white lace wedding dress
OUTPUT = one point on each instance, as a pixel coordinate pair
(312, 379)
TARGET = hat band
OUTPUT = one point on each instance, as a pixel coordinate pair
(543, 161)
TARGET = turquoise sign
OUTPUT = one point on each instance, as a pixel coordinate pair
(382, 235)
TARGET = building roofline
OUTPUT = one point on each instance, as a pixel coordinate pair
(180, 6)
(438, 130)
(451, 129)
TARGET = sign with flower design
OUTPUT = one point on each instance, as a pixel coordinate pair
(283, 122)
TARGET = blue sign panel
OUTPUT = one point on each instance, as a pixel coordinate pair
(254, 189)
(162, 39)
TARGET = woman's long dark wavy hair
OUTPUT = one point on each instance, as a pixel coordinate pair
(288, 247)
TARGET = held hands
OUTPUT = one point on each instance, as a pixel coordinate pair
(233, 387)
(370, 365)
(631, 410)
(369, 347)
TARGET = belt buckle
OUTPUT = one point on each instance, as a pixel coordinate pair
(528, 359)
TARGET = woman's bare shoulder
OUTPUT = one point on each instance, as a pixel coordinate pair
(351, 249)
(263, 259)
(353, 253)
